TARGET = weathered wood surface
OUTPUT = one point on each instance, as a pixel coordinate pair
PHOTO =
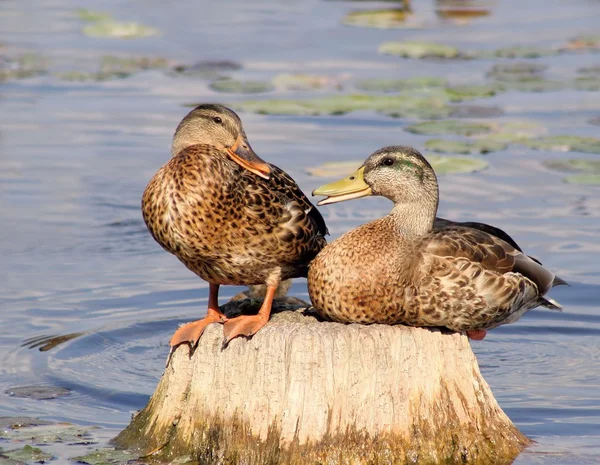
(303, 391)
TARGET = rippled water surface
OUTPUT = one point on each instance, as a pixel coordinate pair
(75, 156)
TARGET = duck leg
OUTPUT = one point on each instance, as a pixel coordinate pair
(477, 334)
(191, 332)
(247, 325)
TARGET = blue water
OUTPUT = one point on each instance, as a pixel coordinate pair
(75, 157)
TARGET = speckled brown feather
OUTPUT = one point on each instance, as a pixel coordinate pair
(230, 226)
(468, 276)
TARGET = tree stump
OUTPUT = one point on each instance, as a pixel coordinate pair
(303, 391)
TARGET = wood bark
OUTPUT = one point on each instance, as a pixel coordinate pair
(304, 391)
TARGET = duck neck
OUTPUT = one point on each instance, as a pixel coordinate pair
(415, 219)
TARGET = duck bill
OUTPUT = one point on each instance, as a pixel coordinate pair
(243, 155)
(352, 187)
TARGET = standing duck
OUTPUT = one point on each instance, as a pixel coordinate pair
(409, 267)
(229, 216)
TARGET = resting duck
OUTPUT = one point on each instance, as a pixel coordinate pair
(412, 268)
(229, 216)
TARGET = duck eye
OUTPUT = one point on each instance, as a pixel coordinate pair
(388, 161)
(217, 119)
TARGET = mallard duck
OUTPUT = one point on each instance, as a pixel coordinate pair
(409, 267)
(229, 216)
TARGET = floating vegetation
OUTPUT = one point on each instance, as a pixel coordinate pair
(118, 30)
(456, 165)
(440, 163)
(27, 454)
(590, 70)
(530, 84)
(480, 146)
(399, 85)
(419, 50)
(595, 121)
(583, 43)
(107, 457)
(92, 16)
(456, 127)
(38, 392)
(574, 164)
(307, 82)
(461, 12)
(585, 179)
(524, 52)
(110, 63)
(380, 19)
(23, 66)
(515, 131)
(565, 144)
(475, 111)
(469, 92)
(395, 106)
(210, 69)
(241, 87)
(516, 71)
(61, 433)
(589, 83)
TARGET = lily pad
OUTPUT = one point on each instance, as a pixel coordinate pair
(241, 87)
(396, 106)
(399, 85)
(379, 19)
(590, 70)
(23, 66)
(595, 121)
(583, 43)
(481, 146)
(440, 163)
(469, 92)
(92, 16)
(565, 144)
(458, 127)
(575, 164)
(530, 84)
(475, 111)
(49, 434)
(419, 50)
(585, 179)
(307, 82)
(589, 83)
(118, 30)
(38, 392)
(210, 69)
(21, 422)
(524, 52)
(28, 454)
(516, 71)
(106, 457)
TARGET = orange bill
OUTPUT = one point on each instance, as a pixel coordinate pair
(243, 155)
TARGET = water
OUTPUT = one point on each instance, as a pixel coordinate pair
(76, 156)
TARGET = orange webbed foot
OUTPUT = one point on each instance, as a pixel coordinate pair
(191, 332)
(245, 325)
(477, 334)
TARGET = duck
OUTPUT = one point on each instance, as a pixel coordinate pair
(413, 268)
(230, 217)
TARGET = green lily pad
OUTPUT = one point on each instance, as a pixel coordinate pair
(440, 163)
(241, 87)
(38, 392)
(524, 52)
(118, 30)
(455, 165)
(92, 16)
(399, 85)
(458, 127)
(469, 92)
(583, 43)
(565, 144)
(516, 71)
(574, 164)
(480, 146)
(397, 105)
(419, 50)
(106, 457)
(585, 179)
(590, 70)
(307, 82)
(379, 19)
(49, 434)
(589, 83)
(28, 454)
(530, 84)
(23, 66)
(21, 422)
(475, 111)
